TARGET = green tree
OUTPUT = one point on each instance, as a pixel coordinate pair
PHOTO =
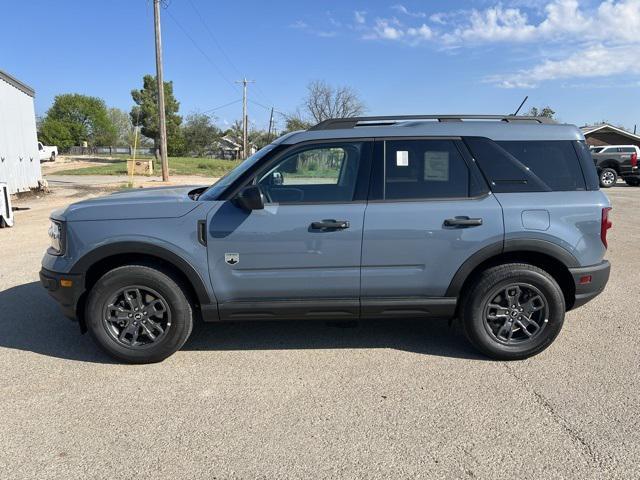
(145, 114)
(295, 122)
(75, 118)
(547, 112)
(200, 134)
(123, 128)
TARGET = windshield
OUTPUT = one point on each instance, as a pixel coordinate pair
(596, 149)
(217, 188)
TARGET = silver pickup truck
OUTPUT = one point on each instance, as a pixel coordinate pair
(617, 161)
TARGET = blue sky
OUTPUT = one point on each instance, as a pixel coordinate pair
(482, 56)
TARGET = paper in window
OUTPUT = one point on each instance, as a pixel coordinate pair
(402, 158)
(436, 166)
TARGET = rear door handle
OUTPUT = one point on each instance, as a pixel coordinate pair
(330, 225)
(462, 222)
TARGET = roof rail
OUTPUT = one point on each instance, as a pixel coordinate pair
(338, 123)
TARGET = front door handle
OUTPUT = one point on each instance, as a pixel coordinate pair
(330, 225)
(462, 222)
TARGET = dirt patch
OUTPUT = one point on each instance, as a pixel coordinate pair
(64, 162)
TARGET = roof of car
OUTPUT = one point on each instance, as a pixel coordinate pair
(495, 127)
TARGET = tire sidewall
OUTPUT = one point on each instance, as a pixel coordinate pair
(475, 307)
(180, 309)
(615, 176)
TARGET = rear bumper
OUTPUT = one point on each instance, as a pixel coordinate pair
(587, 291)
(67, 297)
(627, 171)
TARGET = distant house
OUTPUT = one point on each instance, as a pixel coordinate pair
(605, 134)
(19, 157)
(228, 149)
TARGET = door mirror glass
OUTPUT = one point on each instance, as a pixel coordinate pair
(250, 198)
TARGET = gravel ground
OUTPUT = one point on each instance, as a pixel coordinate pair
(405, 399)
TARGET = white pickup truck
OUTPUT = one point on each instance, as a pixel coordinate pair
(47, 153)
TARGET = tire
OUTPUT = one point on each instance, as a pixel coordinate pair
(163, 312)
(491, 337)
(608, 177)
(632, 182)
(52, 158)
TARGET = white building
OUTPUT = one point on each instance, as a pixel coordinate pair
(19, 159)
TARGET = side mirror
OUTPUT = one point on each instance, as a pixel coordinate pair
(250, 198)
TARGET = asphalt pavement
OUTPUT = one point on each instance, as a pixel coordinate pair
(275, 400)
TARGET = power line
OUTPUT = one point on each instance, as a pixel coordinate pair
(213, 37)
(204, 54)
(222, 106)
(222, 50)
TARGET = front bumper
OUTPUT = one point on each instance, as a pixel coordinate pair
(588, 291)
(66, 296)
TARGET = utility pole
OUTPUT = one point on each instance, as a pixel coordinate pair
(160, 78)
(245, 119)
(270, 125)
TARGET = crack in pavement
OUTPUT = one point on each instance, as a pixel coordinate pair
(592, 456)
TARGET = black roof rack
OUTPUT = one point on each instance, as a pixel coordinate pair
(338, 123)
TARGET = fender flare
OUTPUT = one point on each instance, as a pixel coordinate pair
(82, 265)
(509, 246)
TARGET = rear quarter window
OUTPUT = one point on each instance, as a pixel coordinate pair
(554, 162)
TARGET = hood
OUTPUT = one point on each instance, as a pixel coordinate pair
(160, 202)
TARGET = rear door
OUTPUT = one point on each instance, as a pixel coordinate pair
(429, 211)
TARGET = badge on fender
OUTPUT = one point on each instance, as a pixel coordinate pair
(231, 258)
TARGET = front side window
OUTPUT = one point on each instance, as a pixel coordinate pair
(424, 169)
(317, 174)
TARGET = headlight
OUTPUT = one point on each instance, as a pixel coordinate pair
(56, 237)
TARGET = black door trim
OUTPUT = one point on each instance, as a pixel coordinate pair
(337, 308)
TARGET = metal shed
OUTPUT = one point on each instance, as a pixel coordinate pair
(19, 159)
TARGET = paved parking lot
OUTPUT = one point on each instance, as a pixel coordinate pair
(404, 399)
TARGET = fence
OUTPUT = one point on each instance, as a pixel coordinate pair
(110, 151)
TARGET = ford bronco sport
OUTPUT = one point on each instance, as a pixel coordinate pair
(497, 221)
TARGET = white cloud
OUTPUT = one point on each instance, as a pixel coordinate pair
(423, 32)
(405, 11)
(596, 61)
(611, 21)
(299, 24)
(383, 29)
(563, 39)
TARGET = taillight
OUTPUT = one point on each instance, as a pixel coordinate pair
(605, 225)
(634, 159)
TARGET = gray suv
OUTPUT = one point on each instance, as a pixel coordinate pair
(497, 221)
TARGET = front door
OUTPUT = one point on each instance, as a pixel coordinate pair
(300, 256)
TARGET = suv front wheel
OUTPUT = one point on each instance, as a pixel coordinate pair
(138, 314)
(513, 311)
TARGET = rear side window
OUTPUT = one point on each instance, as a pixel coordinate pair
(423, 169)
(554, 162)
(528, 166)
(627, 150)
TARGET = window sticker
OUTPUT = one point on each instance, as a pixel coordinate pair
(402, 158)
(436, 166)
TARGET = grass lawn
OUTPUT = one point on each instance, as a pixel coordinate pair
(208, 167)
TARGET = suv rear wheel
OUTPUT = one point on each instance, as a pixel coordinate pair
(513, 311)
(138, 314)
(632, 182)
(608, 177)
